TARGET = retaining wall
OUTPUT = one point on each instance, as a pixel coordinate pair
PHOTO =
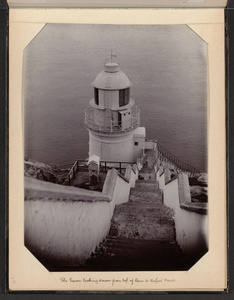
(191, 219)
(63, 225)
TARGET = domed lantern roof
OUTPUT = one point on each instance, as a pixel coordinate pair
(111, 78)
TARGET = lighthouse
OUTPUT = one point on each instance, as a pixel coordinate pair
(113, 119)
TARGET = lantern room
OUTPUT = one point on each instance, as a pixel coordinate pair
(111, 87)
(112, 109)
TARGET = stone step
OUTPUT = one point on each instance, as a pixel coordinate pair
(137, 254)
(143, 244)
(135, 263)
(128, 216)
(137, 201)
(142, 235)
(137, 206)
(146, 189)
(144, 196)
(145, 209)
(146, 182)
(150, 251)
(132, 246)
(147, 169)
(131, 218)
(143, 219)
(146, 230)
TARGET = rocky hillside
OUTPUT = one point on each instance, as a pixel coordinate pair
(199, 188)
(198, 184)
(44, 172)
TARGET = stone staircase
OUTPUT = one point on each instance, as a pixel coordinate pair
(142, 235)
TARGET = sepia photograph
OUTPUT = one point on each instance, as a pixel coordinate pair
(116, 147)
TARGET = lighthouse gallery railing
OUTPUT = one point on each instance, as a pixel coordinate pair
(112, 126)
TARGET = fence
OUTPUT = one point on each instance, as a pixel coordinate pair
(81, 164)
(165, 155)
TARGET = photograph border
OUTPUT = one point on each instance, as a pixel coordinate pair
(18, 140)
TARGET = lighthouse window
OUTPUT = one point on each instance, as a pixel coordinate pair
(124, 96)
(96, 96)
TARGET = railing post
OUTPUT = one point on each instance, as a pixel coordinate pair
(105, 166)
(120, 167)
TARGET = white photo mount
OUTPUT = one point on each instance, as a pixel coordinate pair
(210, 273)
(122, 3)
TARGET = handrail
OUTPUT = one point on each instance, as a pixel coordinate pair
(112, 127)
(106, 165)
(121, 166)
(166, 155)
(74, 168)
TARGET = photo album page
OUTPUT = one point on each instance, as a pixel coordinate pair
(117, 164)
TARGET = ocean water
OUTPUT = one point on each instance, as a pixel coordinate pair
(167, 66)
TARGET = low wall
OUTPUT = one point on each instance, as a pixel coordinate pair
(150, 145)
(191, 219)
(63, 225)
(131, 174)
(65, 232)
(116, 187)
(161, 180)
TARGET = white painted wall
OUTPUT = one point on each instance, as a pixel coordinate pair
(191, 227)
(121, 191)
(134, 176)
(66, 231)
(131, 176)
(138, 149)
(139, 137)
(150, 145)
(161, 181)
(117, 148)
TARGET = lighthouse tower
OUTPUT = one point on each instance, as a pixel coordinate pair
(113, 119)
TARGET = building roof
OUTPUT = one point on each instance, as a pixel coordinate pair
(139, 132)
(112, 78)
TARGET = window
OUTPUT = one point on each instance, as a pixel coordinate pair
(136, 143)
(124, 96)
(96, 96)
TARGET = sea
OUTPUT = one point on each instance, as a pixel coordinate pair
(167, 66)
